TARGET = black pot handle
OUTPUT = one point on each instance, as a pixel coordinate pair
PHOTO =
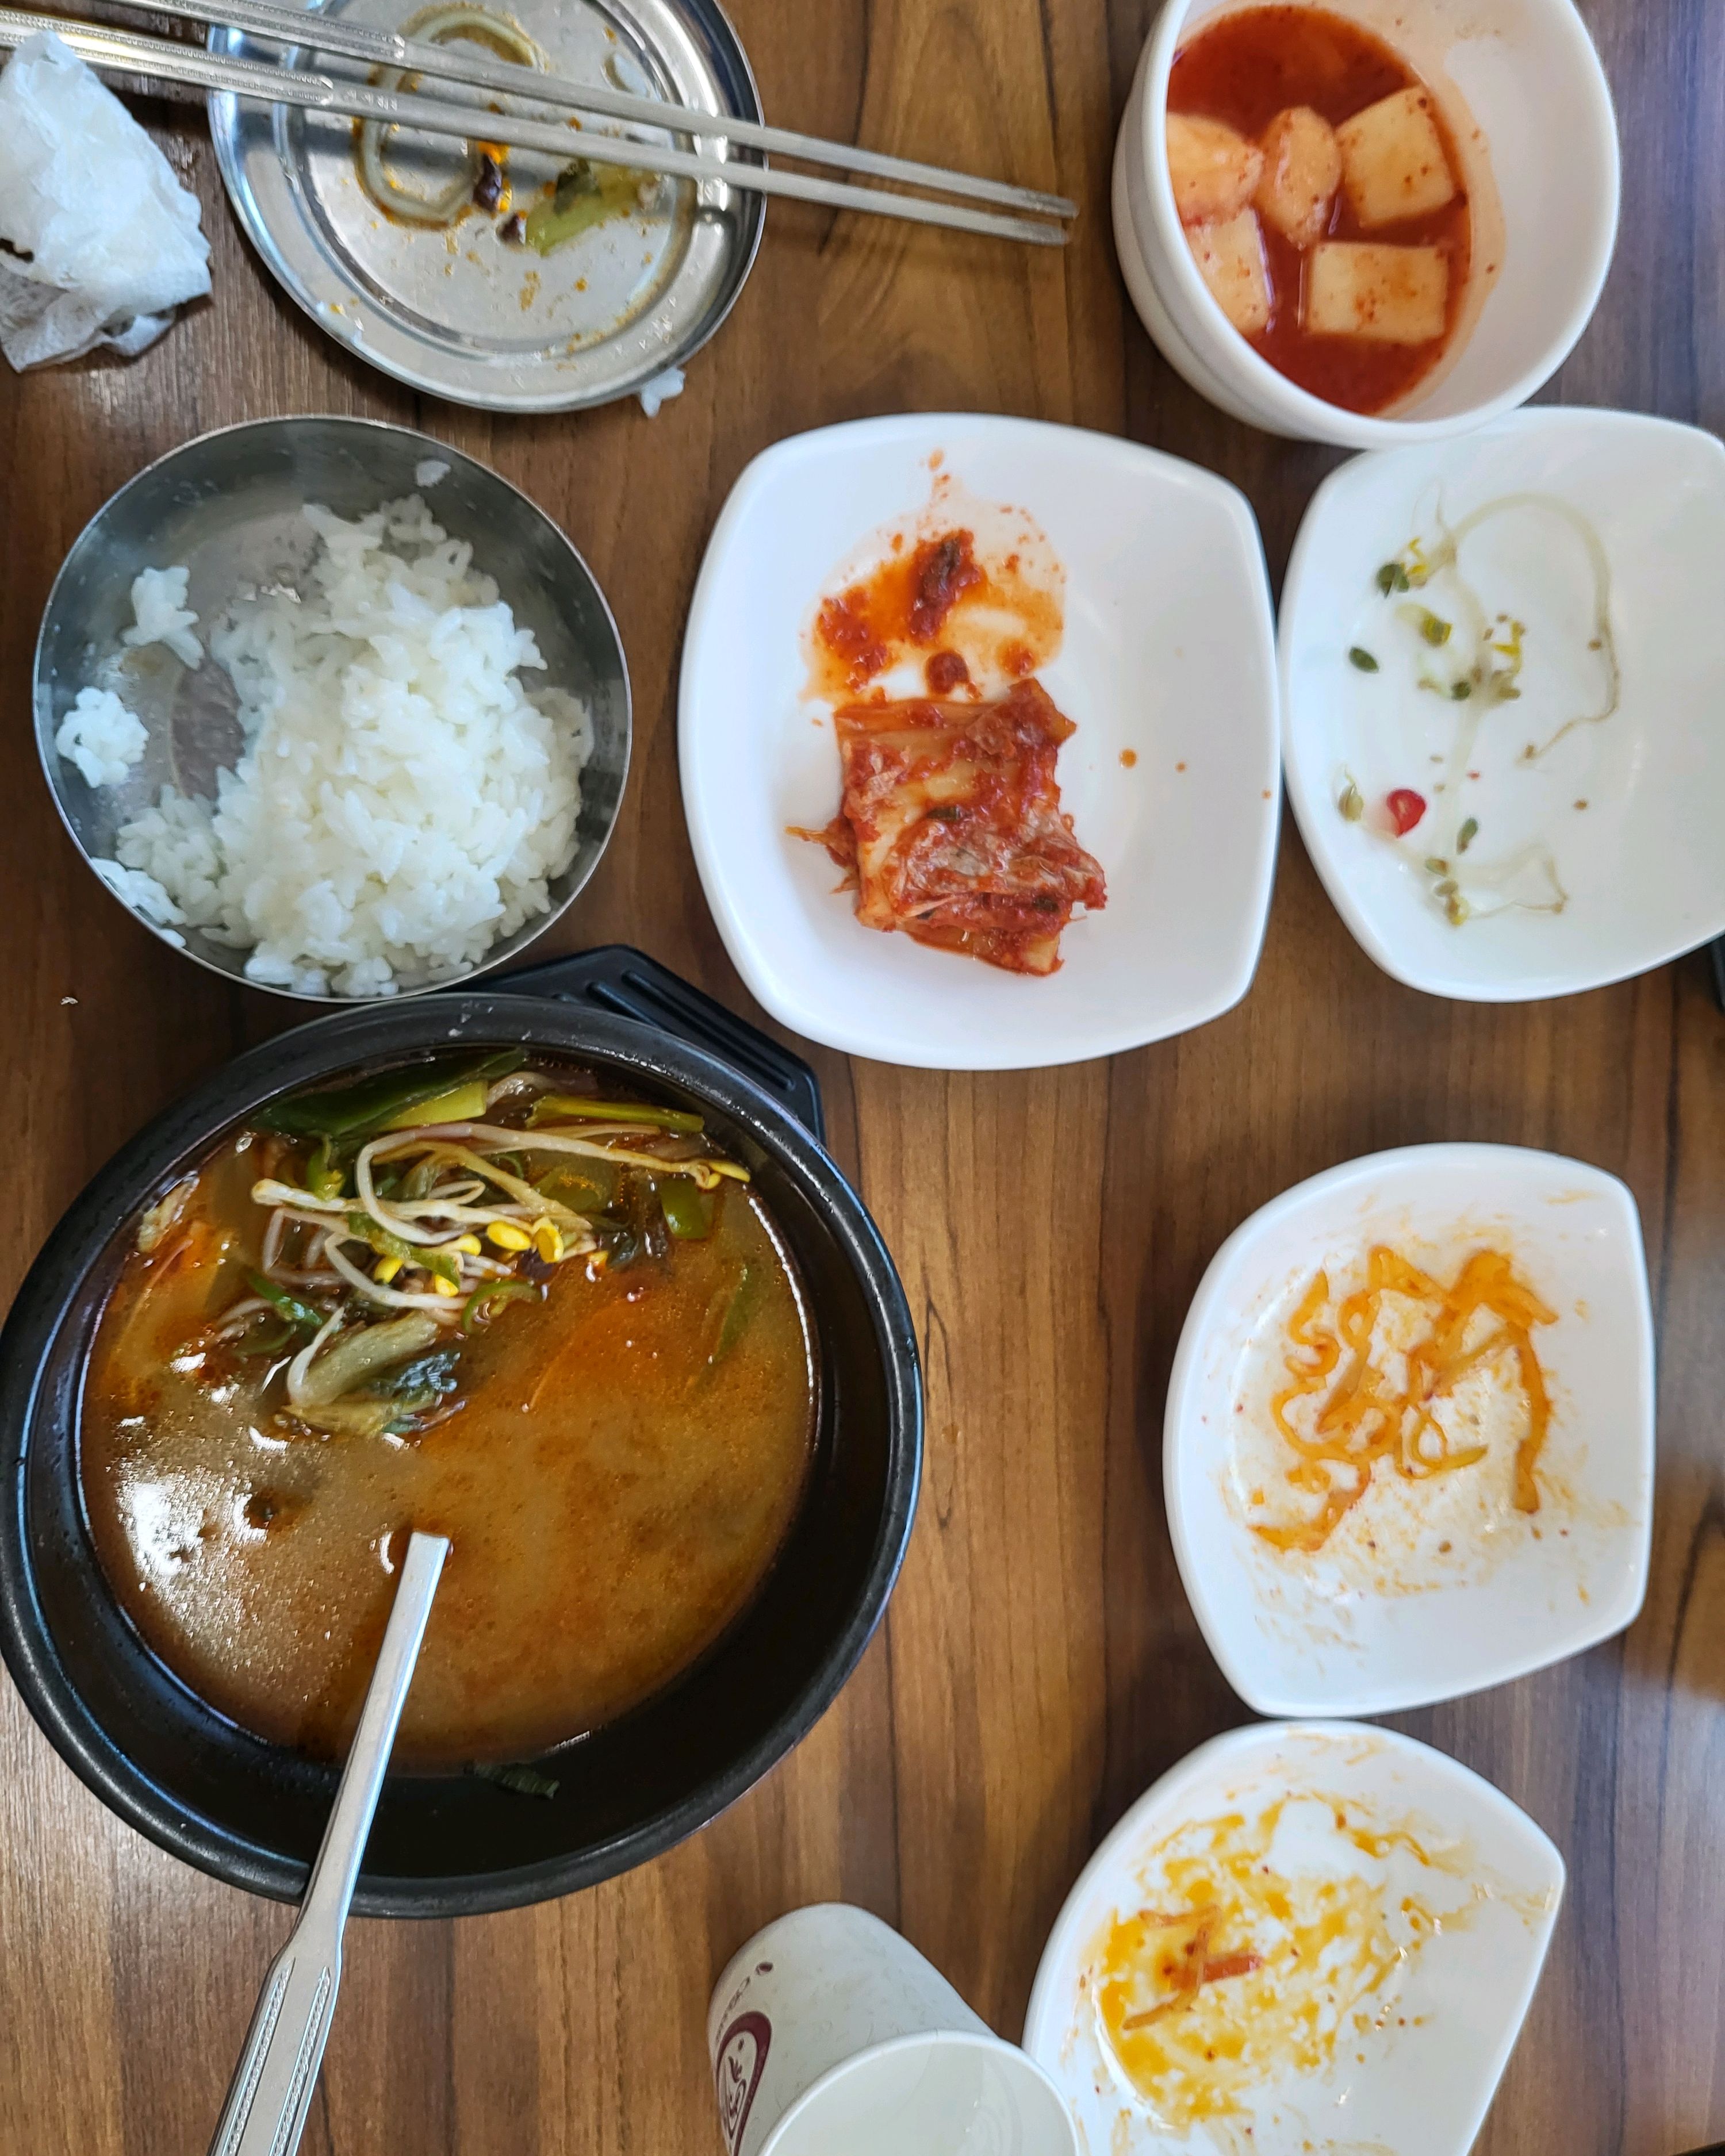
(628, 983)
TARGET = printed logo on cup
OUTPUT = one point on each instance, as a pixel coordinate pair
(737, 2068)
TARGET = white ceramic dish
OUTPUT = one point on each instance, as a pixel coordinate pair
(1167, 659)
(1383, 1618)
(1519, 76)
(1641, 864)
(1419, 2081)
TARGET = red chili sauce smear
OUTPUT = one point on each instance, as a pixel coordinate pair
(1247, 68)
(957, 619)
(906, 601)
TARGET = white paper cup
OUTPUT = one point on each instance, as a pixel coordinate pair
(1530, 112)
(830, 2035)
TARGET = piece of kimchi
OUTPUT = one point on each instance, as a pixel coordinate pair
(952, 824)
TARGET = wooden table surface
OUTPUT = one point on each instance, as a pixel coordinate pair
(1040, 1665)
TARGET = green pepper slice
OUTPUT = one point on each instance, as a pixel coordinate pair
(571, 1108)
(485, 1302)
(688, 1213)
(737, 1312)
(344, 1113)
(324, 1177)
(290, 1306)
(364, 1230)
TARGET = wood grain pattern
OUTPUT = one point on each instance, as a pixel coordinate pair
(1040, 1665)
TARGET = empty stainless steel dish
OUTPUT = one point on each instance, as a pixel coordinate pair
(458, 311)
(231, 507)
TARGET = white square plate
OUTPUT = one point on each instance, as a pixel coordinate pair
(1167, 656)
(1421, 2055)
(1382, 1617)
(1630, 809)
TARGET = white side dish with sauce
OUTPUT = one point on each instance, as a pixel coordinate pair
(1542, 699)
(1442, 1583)
(1303, 1937)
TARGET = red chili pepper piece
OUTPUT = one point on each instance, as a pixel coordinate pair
(1405, 807)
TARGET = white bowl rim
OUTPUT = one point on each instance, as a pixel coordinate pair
(1462, 1154)
(1312, 806)
(1047, 1991)
(1295, 410)
(765, 984)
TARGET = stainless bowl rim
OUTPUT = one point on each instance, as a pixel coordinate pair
(152, 1160)
(443, 453)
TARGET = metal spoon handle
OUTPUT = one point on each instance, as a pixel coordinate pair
(271, 2090)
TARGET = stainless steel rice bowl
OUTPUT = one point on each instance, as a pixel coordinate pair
(230, 505)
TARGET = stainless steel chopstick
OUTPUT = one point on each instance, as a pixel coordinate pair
(122, 51)
(464, 63)
(271, 2092)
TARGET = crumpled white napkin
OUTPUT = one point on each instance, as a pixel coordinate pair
(100, 241)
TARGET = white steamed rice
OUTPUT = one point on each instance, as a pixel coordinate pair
(101, 737)
(402, 801)
(160, 614)
(143, 894)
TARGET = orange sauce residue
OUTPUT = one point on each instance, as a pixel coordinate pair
(1250, 1966)
(941, 605)
(1374, 1402)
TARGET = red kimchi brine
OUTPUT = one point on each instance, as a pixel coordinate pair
(1327, 202)
(950, 827)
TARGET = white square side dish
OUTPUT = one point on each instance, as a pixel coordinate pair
(1418, 2052)
(1172, 778)
(1430, 1588)
(1627, 811)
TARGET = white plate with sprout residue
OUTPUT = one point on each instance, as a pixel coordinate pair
(1510, 643)
(1477, 1553)
(1306, 1937)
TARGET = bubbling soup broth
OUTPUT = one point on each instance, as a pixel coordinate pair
(482, 1298)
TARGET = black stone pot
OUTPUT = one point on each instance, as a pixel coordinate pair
(253, 1813)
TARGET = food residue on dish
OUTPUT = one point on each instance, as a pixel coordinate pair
(584, 193)
(950, 826)
(481, 1294)
(1432, 624)
(1322, 199)
(957, 610)
(1265, 1938)
(480, 179)
(1392, 1416)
